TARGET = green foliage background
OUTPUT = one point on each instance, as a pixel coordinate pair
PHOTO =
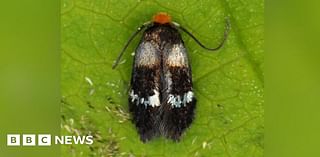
(228, 84)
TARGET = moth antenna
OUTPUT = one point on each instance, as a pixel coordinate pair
(128, 43)
(226, 33)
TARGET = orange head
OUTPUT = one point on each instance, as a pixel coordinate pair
(161, 18)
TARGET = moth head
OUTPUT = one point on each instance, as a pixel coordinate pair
(161, 18)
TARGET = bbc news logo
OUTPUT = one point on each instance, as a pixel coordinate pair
(45, 140)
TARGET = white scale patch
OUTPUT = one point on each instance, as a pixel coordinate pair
(168, 78)
(177, 57)
(177, 102)
(153, 100)
(146, 54)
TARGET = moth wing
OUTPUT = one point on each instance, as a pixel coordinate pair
(144, 98)
(178, 97)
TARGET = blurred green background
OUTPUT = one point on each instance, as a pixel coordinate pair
(229, 83)
(292, 78)
(29, 74)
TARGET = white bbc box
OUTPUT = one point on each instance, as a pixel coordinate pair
(28, 139)
(13, 140)
(44, 140)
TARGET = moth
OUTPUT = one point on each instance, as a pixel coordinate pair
(161, 98)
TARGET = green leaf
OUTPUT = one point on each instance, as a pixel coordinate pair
(228, 83)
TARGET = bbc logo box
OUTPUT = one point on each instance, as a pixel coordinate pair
(28, 140)
(13, 140)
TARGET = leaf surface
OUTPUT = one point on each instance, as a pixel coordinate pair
(228, 83)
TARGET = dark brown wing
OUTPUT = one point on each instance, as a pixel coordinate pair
(144, 98)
